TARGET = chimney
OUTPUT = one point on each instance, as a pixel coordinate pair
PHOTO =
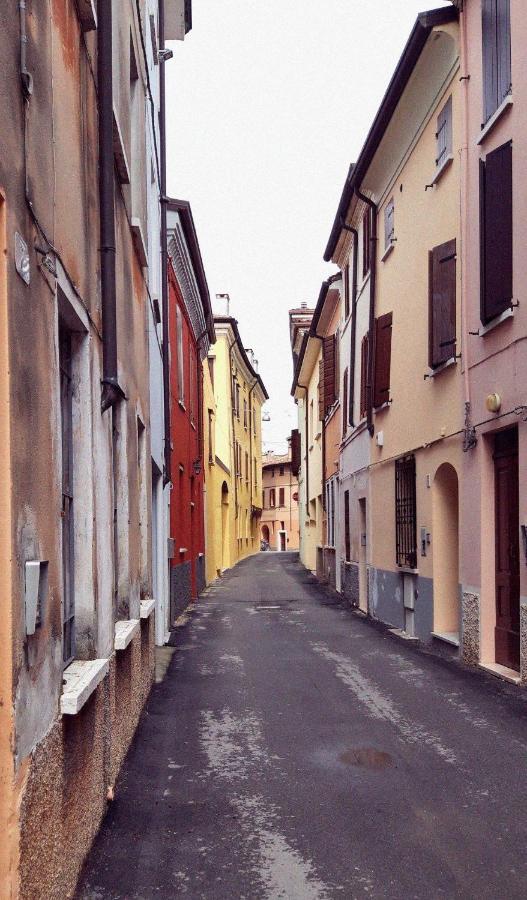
(222, 305)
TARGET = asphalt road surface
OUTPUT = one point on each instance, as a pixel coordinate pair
(295, 750)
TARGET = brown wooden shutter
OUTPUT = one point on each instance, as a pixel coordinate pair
(442, 304)
(503, 42)
(383, 354)
(496, 232)
(496, 47)
(364, 355)
(346, 279)
(329, 372)
(295, 451)
(344, 407)
(321, 390)
(337, 365)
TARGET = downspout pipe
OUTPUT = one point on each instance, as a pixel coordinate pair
(306, 417)
(232, 422)
(251, 441)
(373, 284)
(111, 392)
(353, 349)
(167, 475)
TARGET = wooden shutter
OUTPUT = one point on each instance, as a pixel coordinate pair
(295, 451)
(346, 279)
(366, 242)
(364, 355)
(496, 232)
(344, 407)
(347, 535)
(442, 304)
(444, 133)
(321, 390)
(388, 223)
(496, 41)
(329, 372)
(383, 354)
(336, 378)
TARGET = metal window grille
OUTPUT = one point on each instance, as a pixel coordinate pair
(66, 409)
(405, 512)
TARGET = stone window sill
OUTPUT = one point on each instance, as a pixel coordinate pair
(432, 373)
(506, 314)
(388, 250)
(81, 678)
(147, 607)
(486, 130)
(439, 172)
(124, 632)
(502, 672)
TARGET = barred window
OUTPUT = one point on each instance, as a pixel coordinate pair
(405, 512)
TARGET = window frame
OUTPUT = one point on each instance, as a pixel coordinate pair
(406, 512)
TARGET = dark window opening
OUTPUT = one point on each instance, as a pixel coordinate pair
(496, 243)
(405, 512)
(66, 423)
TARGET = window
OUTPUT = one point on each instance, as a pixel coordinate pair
(179, 349)
(346, 280)
(210, 360)
(237, 404)
(254, 422)
(246, 467)
(389, 224)
(329, 358)
(211, 451)
(383, 353)
(366, 242)
(496, 38)
(347, 536)
(496, 232)
(66, 425)
(272, 498)
(272, 471)
(320, 393)
(405, 513)
(295, 451)
(191, 383)
(311, 433)
(281, 497)
(330, 513)
(245, 413)
(364, 362)
(442, 304)
(444, 134)
(281, 470)
(255, 473)
(345, 403)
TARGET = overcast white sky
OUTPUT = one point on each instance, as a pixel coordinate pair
(268, 103)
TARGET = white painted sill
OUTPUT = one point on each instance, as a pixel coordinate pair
(432, 373)
(502, 672)
(442, 169)
(506, 314)
(486, 130)
(407, 571)
(388, 250)
(146, 607)
(81, 678)
(385, 405)
(124, 632)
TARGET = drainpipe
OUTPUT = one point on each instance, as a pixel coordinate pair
(470, 438)
(26, 77)
(251, 441)
(167, 475)
(111, 392)
(306, 417)
(232, 421)
(353, 348)
(373, 281)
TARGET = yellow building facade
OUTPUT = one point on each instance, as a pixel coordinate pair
(234, 394)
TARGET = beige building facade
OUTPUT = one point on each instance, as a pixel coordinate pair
(279, 526)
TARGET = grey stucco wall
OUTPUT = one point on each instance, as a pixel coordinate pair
(386, 601)
(180, 589)
(350, 582)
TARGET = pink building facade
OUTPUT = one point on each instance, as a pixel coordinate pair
(493, 487)
(279, 523)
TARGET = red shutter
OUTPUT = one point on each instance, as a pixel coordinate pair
(442, 304)
(383, 353)
(329, 372)
(295, 451)
(364, 355)
(496, 232)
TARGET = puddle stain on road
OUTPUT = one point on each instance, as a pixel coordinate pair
(367, 758)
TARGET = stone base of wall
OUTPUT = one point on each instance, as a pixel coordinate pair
(385, 601)
(470, 624)
(201, 580)
(349, 575)
(64, 791)
(180, 589)
(330, 566)
(523, 640)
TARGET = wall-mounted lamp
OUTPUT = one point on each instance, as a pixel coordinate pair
(196, 466)
(164, 55)
(493, 403)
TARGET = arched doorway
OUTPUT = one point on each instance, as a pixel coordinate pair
(265, 533)
(225, 556)
(445, 543)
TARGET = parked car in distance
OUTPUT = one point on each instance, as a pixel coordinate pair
(264, 545)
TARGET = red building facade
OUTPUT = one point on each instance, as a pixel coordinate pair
(191, 331)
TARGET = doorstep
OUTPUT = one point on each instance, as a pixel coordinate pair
(502, 672)
(449, 637)
(398, 632)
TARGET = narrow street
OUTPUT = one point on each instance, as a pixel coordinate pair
(294, 750)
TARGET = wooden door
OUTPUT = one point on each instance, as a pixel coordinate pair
(507, 633)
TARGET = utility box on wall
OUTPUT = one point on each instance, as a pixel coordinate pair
(35, 593)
